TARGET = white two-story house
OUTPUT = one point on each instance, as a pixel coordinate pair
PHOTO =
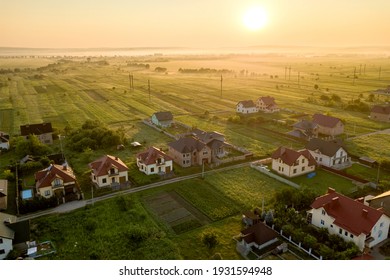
(350, 219)
(154, 161)
(329, 153)
(292, 163)
(246, 107)
(108, 171)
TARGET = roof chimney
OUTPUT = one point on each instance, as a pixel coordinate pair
(282, 150)
(364, 212)
(331, 190)
(360, 199)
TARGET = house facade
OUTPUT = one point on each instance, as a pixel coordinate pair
(108, 171)
(6, 234)
(380, 113)
(4, 141)
(350, 219)
(57, 180)
(154, 161)
(292, 163)
(214, 140)
(381, 201)
(246, 107)
(3, 194)
(327, 125)
(329, 153)
(267, 104)
(43, 131)
(189, 151)
(162, 119)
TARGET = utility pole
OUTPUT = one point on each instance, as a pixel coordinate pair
(289, 73)
(285, 73)
(380, 70)
(354, 75)
(360, 70)
(17, 188)
(221, 85)
(149, 89)
(299, 73)
(131, 83)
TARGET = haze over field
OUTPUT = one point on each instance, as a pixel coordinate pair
(195, 24)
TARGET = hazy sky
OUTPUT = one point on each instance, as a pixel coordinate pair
(191, 23)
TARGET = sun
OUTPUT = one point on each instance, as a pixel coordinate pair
(255, 18)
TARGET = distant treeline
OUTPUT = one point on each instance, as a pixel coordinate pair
(205, 71)
(138, 65)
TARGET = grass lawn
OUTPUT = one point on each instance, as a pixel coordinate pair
(376, 146)
(323, 180)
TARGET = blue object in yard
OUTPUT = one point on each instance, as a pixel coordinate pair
(311, 175)
(27, 194)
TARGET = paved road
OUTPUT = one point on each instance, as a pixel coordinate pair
(70, 206)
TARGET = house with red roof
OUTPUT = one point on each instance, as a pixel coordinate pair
(292, 163)
(154, 161)
(246, 107)
(350, 219)
(267, 104)
(57, 180)
(328, 125)
(380, 113)
(108, 171)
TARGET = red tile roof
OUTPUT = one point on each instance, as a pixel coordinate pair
(45, 177)
(349, 214)
(289, 156)
(151, 155)
(326, 121)
(103, 165)
(268, 101)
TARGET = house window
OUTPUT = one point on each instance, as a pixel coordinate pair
(112, 171)
(346, 233)
(152, 169)
(380, 234)
(280, 168)
(184, 162)
(323, 212)
(381, 224)
(113, 180)
(316, 158)
(104, 181)
(351, 235)
(331, 226)
(303, 168)
(1, 240)
(303, 160)
(340, 231)
(205, 153)
(57, 182)
(320, 159)
(322, 222)
(295, 170)
(341, 153)
(2, 251)
(47, 193)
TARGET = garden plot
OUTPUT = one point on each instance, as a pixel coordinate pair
(178, 214)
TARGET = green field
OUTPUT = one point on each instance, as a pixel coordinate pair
(67, 92)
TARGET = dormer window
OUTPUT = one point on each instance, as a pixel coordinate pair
(57, 182)
(112, 171)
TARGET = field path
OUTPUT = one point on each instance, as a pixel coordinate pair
(70, 206)
(384, 131)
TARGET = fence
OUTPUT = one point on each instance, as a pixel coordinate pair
(272, 175)
(157, 128)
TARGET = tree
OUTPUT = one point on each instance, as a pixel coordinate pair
(316, 87)
(210, 239)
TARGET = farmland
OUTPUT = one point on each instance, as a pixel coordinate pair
(167, 223)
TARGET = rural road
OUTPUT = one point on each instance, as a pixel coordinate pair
(384, 131)
(70, 206)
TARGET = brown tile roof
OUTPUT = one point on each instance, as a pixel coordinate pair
(151, 155)
(305, 125)
(36, 129)
(268, 101)
(247, 103)
(328, 148)
(381, 109)
(289, 156)
(164, 116)
(103, 165)
(326, 121)
(207, 136)
(349, 214)
(45, 177)
(258, 233)
(187, 145)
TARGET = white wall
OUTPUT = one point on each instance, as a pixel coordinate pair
(6, 246)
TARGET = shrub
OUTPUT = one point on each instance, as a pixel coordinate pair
(210, 239)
